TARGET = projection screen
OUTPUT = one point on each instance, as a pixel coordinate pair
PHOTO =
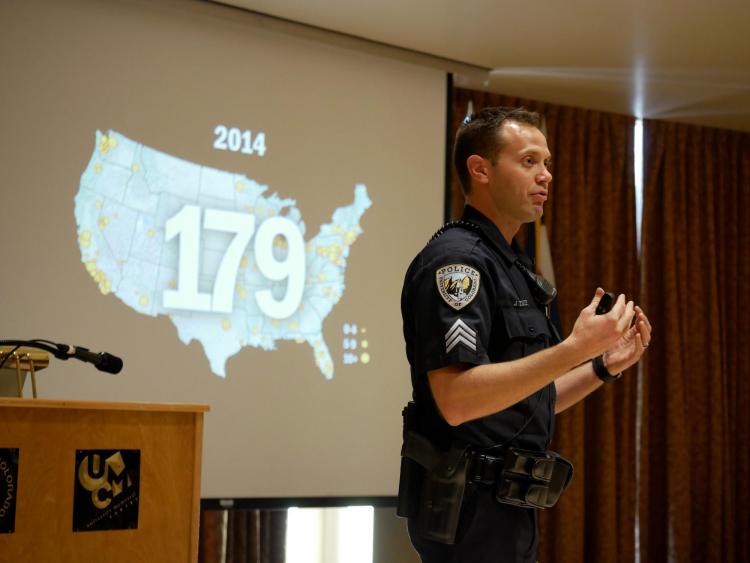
(231, 210)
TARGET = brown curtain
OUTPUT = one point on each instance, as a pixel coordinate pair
(590, 217)
(695, 493)
(252, 536)
(211, 536)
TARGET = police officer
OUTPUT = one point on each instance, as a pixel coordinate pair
(487, 369)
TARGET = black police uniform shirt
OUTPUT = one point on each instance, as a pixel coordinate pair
(465, 300)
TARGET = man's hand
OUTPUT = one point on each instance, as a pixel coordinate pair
(630, 347)
(594, 334)
(627, 350)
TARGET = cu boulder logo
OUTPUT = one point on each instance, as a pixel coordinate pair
(106, 490)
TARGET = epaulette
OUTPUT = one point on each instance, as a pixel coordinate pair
(454, 224)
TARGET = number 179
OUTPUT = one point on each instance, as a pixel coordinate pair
(187, 225)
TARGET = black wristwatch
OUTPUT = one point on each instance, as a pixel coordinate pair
(601, 371)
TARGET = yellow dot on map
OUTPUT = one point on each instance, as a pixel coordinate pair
(91, 267)
(308, 247)
(112, 142)
(242, 292)
(144, 300)
(136, 167)
(85, 239)
(327, 368)
(275, 322)
(97, 167)
(226, 324)
(363, 330)
(150, 233)
(364, 358)
(349, 237)
(103, 221)
(321, 277)
(239, 186)
(327, 291)
(336, 229)
(104, 145)
(244, 262)
(364, 344)
(105, 285)
(172, 284)
(98, 204)
(255, 267)
(293, 325)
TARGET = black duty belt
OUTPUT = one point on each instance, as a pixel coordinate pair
(433, 481)
(530, 479)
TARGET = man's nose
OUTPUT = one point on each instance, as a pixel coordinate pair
(545, 177)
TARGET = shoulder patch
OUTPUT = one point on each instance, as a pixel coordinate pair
(458, 284)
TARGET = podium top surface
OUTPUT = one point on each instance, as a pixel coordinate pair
(100, 405)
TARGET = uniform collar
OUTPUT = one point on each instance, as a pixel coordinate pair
(511, 252)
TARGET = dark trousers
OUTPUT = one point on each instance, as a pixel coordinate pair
(488, 532)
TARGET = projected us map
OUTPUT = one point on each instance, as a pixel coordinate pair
(225, 261)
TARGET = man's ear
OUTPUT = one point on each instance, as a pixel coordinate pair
(478, 168)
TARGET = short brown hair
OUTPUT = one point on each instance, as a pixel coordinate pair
(478, 134)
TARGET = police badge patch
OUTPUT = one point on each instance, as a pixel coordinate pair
(458, 284)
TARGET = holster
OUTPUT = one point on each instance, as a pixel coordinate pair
(432, 483)
(431, 488)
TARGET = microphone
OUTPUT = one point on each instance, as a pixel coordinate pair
(102, 361)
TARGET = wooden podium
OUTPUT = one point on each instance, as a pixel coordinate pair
(50, 436)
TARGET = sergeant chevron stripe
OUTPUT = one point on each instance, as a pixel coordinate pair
(460, 333)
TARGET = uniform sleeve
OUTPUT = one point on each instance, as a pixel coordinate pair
(452, 304)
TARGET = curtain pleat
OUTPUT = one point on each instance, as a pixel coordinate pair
(210, 536)
(696, 272)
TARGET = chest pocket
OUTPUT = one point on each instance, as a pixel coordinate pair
(524, 331)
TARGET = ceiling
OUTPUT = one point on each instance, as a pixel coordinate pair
(683, 60)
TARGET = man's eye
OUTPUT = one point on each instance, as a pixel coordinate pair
(528, 160)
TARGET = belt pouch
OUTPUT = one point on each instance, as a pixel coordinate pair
(533, 479)
(442, 494)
